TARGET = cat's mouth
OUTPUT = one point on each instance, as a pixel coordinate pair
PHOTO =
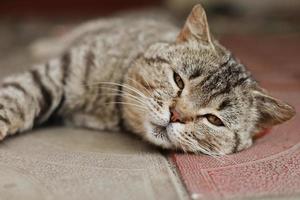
(160, 132)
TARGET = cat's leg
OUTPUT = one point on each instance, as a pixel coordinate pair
(91, 121)
(30, 98)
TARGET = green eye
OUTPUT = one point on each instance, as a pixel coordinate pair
(214, 120)
(178, 80)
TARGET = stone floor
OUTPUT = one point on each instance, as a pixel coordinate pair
(66, 163)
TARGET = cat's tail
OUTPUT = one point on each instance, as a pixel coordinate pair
(32, 97)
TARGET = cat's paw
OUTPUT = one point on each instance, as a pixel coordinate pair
(3, 131)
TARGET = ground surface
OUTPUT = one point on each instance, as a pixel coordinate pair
(67, 163)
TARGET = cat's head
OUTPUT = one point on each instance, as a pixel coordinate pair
(193, 95)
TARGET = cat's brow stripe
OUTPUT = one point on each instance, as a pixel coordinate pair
(232, 76)
(213, 74)
(46, 101)
(196, 73)
(156, 59)
(205, 80)
(229, 86)
(225, 104)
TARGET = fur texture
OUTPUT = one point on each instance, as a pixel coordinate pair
(178, 89)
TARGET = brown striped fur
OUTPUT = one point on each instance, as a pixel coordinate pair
(118, 73)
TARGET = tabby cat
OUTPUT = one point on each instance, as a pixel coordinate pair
(178, 89)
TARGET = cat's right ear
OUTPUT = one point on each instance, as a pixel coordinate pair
(270, 110)
(195, 27)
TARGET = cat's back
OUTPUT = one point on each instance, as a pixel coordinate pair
(116, 41)
(121, 33)
(112, 43)
(124, 31)
(101, 51)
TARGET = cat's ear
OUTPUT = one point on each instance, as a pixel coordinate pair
(271, 110)
(195, 27)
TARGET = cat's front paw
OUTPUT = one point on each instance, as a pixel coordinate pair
(3, 131)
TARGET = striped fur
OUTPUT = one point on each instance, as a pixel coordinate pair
(119, 74)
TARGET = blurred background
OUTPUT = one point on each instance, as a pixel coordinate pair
(226, 15)
(23, 22)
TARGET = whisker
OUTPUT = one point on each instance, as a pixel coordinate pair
(128, 95)
(124, 86)
(211, 154)
(144, 78)
(147, 90)
(132, 104)
(197, 147)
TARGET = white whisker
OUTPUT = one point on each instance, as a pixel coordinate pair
(132, 98)
(149, 93)
(142, 100)
(124, 86)
(132, 104)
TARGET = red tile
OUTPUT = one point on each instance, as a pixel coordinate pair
(270, 167)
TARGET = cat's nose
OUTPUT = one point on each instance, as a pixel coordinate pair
(175, 116)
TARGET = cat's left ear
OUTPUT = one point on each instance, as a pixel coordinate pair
(195, 27)
(271, 111)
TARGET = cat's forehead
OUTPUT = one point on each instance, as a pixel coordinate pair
(192, 59)
(225, 80)
(216, 76)
(209, 72)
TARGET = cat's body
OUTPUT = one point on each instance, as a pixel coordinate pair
(103, 53)
(99, 51)
(118, 73)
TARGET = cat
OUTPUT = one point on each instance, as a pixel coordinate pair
(177, 89)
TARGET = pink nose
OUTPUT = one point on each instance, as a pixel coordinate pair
(175, 116)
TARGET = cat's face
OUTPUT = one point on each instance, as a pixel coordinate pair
(193, 95)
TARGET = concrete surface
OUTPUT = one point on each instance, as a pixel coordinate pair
(66, 163)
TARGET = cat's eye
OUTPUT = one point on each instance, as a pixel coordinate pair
(214, 120)
(178, 80)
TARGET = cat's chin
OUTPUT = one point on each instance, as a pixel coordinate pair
(158, 135)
